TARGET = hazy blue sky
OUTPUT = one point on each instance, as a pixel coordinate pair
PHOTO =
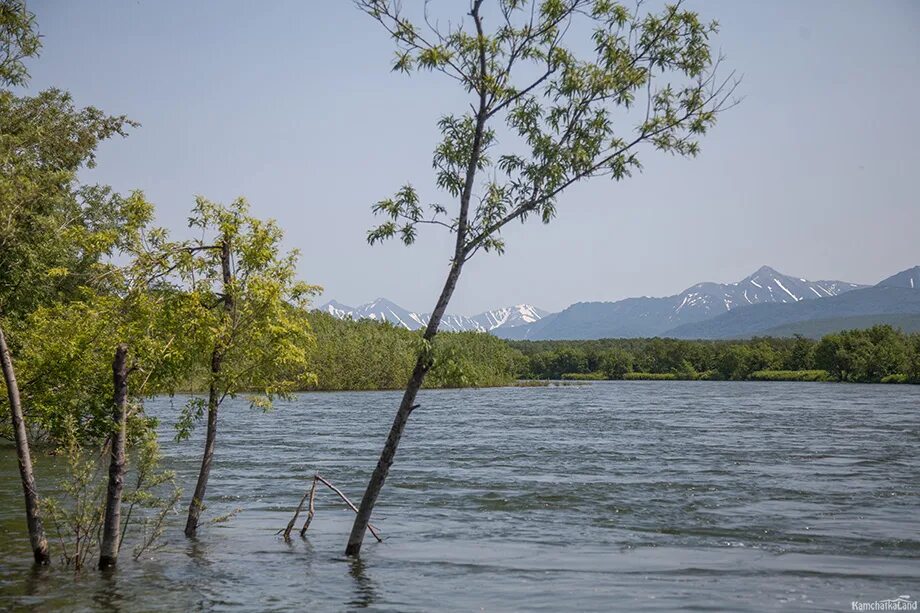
(292, 105)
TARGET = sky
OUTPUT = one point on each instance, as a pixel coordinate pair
(293, 105)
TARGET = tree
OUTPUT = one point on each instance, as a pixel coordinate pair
(801, 355)
(18, 40)
(67, 356)
(250, 313)
(111, 528)
(37, 537)
(558, 110)
(913, 358)
(54, 232)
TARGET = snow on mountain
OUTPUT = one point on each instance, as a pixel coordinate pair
(509, 317)
(336, 309)
(648, 317)
(385, 310)
(764, 285)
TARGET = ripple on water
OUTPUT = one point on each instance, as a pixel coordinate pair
(662, 495)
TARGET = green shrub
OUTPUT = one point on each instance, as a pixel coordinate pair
(584, 376)
(896, 379)
(790, 375)
(650, 376)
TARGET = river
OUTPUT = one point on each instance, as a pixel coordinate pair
(608, 496)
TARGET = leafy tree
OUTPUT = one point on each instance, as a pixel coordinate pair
(67, 360)
(18, 40)
(566, 117)
(801, 355)
(913, 358)
(863, 355)
(615, 363)
(55, 233)
(249, 312)
(828, 356)
(686, 371)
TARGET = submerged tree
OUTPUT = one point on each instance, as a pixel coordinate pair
(251, 315)
(55, 233)
(542, 117)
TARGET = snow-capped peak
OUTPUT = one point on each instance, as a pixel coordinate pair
(382, 309)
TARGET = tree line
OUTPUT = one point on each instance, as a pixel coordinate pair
(873, 355)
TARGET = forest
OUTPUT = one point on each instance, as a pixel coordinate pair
(880, 354)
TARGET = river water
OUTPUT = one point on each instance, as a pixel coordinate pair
(609, 496)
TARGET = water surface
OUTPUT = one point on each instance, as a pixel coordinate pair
(610, 496)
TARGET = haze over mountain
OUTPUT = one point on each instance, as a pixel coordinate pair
(647, 317)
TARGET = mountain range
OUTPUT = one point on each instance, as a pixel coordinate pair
(764, 303)
(489, 321)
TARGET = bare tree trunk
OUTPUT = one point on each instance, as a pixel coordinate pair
(33, 518)
(422, 366)
(111, 528)
(217, 356)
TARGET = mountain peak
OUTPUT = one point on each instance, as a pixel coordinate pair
(766, 270)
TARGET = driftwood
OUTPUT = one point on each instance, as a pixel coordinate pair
(310, 495)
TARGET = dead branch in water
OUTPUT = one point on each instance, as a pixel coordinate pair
(290, 526)
(310, 511)
(311, 495)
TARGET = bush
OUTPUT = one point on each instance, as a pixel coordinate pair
(584, 376)
(896, 379)
(790, 375)
(650, 376)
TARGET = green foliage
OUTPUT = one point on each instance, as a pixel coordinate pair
(583, 376)
(895, 379)
(856, 355)
(19, 39)
(864, 355)
(76, 510)
(648, 80)
(56, 234)
(790, 375)
(650, 376)
(368, 355)
(615, 363)
(913, 359)
(255, 320)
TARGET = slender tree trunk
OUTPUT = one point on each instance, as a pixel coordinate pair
(36, 530)
(197, 504)
(111, 528)
(422, 366)
(217, 356)
(424, 362)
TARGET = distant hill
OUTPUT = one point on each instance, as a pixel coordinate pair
(817, 328)
(866, 306)
(906, 278)
(645, 317)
